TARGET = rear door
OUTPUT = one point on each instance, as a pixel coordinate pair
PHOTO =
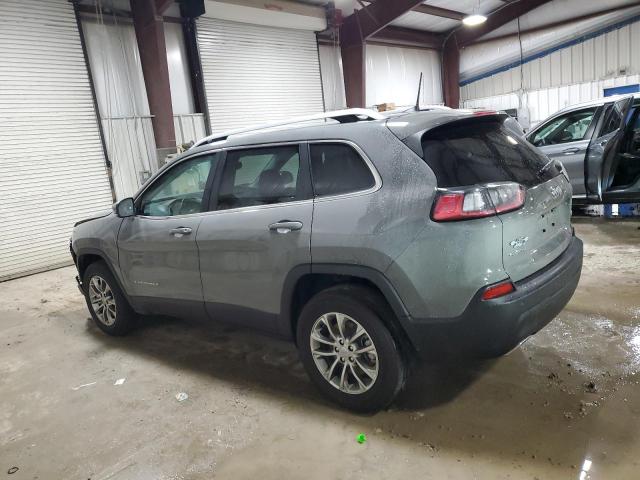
(259, 231)
(603, 153)
(566, 138)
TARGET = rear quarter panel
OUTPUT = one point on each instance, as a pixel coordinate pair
(372, 229)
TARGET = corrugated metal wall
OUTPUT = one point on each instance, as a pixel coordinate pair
(564, 77)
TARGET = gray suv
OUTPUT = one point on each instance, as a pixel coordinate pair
(369, 241)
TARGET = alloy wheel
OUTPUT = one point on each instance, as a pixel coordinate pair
(102, 300)
(344, 353)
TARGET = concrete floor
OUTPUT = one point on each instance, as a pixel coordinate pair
(566, 400)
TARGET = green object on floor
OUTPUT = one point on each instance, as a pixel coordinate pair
(361, 438)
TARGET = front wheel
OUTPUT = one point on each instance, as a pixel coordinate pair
(348, 351)
(107, 304)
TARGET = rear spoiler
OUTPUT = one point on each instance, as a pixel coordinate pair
(411, 128)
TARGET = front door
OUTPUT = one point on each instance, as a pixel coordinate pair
(566, 139)
(603, 155)
(157, 247)
(260, 231)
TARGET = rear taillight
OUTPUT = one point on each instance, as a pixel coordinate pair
(477, 201)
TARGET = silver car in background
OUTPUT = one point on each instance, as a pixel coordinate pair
(599, 145)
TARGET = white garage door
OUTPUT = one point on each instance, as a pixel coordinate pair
(256, 74)
(52, 167)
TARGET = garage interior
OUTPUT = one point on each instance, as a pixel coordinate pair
(97, 95)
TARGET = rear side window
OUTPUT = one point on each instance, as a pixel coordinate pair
(260, 176)
(336, 168)
(482, 151)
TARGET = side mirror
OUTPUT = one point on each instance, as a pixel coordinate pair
(125, 208)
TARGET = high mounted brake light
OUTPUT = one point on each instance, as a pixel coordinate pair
(477, 201)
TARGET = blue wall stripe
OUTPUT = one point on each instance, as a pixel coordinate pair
(544, 53)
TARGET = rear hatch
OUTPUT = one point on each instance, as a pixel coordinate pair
(483, 162)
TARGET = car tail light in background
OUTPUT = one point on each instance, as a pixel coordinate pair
(498, 290)
(477, 201)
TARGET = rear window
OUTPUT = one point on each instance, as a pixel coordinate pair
(481, 151)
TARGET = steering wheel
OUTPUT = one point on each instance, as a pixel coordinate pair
(184, 206)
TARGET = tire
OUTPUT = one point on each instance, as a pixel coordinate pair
(353, 306)
(118, 318)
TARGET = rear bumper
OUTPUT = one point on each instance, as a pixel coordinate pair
(494, 327)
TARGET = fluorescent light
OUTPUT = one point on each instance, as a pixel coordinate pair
(472, 20)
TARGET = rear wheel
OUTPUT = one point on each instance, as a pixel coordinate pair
(348, 351)
(107, 304)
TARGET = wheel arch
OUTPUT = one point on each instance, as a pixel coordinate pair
(304, 281)
(87, 256)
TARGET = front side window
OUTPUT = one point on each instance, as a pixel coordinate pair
(571, 127)
(180, 191)
(260, 176)
(336, 168)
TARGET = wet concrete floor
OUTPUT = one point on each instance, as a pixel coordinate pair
(565, 405)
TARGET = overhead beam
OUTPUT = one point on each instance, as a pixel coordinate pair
(439, 12)
(162, 5)
(367, 21)
(408, 37)
(463, 36)
(435, 11)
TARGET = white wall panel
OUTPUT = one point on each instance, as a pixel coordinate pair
(189, 128)
(179, 71)
(132, 151)
(113, 54)
(573, 74)
(544, 102)
(332, 77)
(115, 66)
(52, 166)
(393, 74)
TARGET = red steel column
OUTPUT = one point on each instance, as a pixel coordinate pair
(149, 28)
(354, 70)
(451, 72)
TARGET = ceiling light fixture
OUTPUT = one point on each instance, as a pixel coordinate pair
(473, 20)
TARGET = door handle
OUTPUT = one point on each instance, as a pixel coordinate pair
(180, 231)
(285, 226)
(570, 151)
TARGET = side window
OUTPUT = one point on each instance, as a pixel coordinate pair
(567, 128)
(613, 121)
(180, 191)
(260, 176)
(336, 168)
(632, 143)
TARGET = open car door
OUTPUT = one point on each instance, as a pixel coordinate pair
(604, 153)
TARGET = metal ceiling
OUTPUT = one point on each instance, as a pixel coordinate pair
(556, 11)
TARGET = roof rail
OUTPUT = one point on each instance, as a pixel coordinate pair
(349, 115)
